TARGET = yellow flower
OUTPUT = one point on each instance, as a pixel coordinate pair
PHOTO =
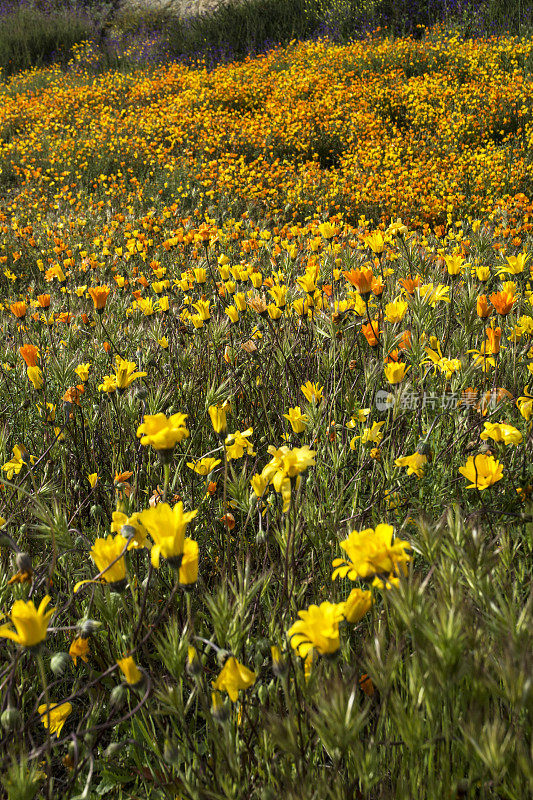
(232, 313)
(515, 264)
(373, 434)
(359, 416)
(120, 521)
(297, 419)
(188, 571)
(482, 471)
(284, 465)
(218, 416)
(312, 392)
(202, 307)
(357, 605)
(396, 311)
(327, 230)
(372, 552)
(238, 443)
(233, 677)
(163, 433)
(163, 342)
(130, 670)
(499, 432)
(79, 649)
(454, 264)
(109, 384)
(31, 624)
(35, 375)
(375, 242)
(54, 715)
(14, 466)
(204, 465)
(395, 371)
(259, 484)
(82, 371)
(92, 478)
(525, 404)
(163, 304)
(167, 527)
(317, 629)
(104, 552)
(414, 463)
(125, 373)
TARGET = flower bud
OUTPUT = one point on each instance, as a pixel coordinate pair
(219, 709)
(10, 718)
(114, 747)
(279, 666)
(59, 663)
(193, 665)
(118, 696)
(88, 626)
(171, 752)
(23, 562)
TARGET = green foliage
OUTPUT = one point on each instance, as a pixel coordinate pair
(30, 37)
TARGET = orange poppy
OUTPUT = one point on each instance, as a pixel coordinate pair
(19, 309)
(503, 301)
(361, 279)
(371, 333)
(30, 354)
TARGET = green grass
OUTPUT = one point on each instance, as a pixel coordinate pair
(31, 38)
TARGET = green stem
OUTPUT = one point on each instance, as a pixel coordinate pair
(42, 674)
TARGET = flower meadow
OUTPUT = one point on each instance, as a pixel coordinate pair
(265, 424)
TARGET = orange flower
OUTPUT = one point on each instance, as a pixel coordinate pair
(410, 284)
(228, 520)
(492, 345)
(72, 395)
(44, 300)
(362, 280)
(503, 301)
(30, 354)
(371, 333)
(19, 309)
(393, 357)
(378, 286)
(366, 685)
(483, 308)
(468, 396)
(491, 399)
(121, 477)
(99, 295)
(405, 341)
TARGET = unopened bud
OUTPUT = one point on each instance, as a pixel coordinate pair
(279, 666)
(114, 747)
(193, 666)
(59, 663)
(171, 752)
(118, 696)
(10, 718)
(219, 709)
(87, 627)
(23, 562)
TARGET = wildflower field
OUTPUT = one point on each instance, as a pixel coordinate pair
(265, 424)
